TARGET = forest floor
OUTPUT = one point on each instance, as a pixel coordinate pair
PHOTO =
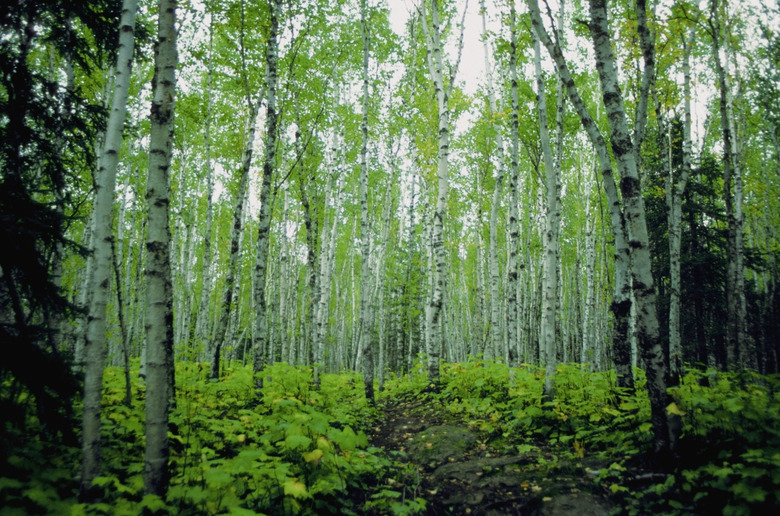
(458, 471)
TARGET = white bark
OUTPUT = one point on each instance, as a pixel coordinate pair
(202, 325)
(228, 295)
(496, 335)
(436, 69)
(647, 327)
(513, 224)
(589, 348)
(547, 340)
(365, 325)
(102, 238)
(327, 252)
(260, 335)
(674, 193)
(621, 302)
(159, 301)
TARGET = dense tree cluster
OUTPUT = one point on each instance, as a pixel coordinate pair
(331, 194)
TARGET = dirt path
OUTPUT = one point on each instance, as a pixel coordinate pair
(461, 474)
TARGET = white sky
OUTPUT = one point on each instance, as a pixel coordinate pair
(472, 67)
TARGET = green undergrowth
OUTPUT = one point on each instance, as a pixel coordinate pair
(299, 451)
(294, 451)
(729, 449)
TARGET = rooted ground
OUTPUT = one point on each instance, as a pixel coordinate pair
(459, 473)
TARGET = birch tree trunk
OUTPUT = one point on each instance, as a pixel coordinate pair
(102, 240)
(732, 346)
(674, 193)
(228, 295)
(588, 353)
(260, 336)
(202, 325)
(436, 69)
(621, 301)
(327, 250)
(737, 340)
(551, 232)
(647, 327)
(493, 273)
(380, 275)
(366, 324)
(159, 300)
(513, 224)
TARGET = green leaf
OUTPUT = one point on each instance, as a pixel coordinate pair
(313, 456)
(749, 493)
(9, 483)
(217, 478)
(40, 495)
(240, 511)
(295, 488)
(153, 503)
(295, 442)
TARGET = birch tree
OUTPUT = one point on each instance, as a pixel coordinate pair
(547, 337)
(328, 246)
(647, 327)
(202, 325)
(736, 337)
(646, 324)
(493, 273)
(159, 301)
(513, 223)
(434, 344)
(621, 300)
(105, 184)
(674, 194)
(260, 326)
(228, 297)
(366, 325)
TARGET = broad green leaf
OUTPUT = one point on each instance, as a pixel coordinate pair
(313, 456)
(295, 442)
(295, 488)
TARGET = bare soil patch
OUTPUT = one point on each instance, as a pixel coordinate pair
(460, 473)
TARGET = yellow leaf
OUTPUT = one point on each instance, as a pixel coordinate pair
(241, 438)
(674, 409)
(323, 443)
(295, 488)
(579, 449)
(313, 456)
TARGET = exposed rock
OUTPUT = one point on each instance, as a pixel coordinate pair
(438, 445)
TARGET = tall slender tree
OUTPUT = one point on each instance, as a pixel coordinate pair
(513, 224)
(159, 300)
(366, 313)
(674, 196)
(736, 337)
(625, 152)
(552, 220)
(260, 327)
(633, 216)
(433, 35)
(202, 320)
(102, 240)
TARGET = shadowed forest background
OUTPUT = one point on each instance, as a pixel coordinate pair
(241, 238)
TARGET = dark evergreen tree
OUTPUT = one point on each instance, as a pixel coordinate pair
(48, 128)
